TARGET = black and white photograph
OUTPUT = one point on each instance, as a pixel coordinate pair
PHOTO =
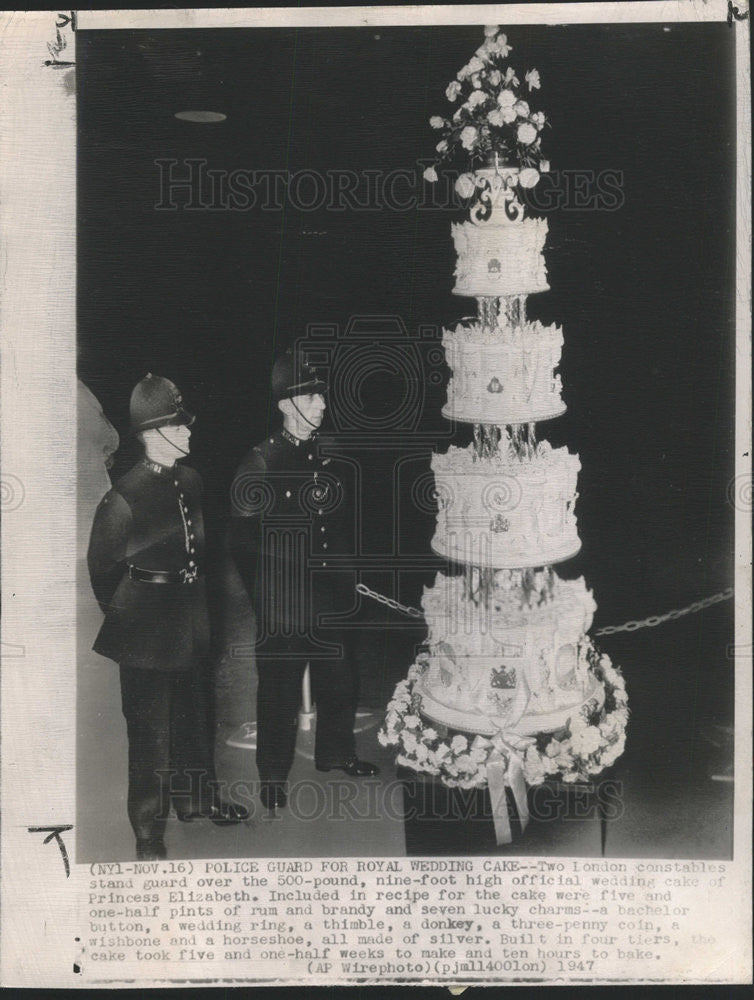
(407, 414)
(406, 366)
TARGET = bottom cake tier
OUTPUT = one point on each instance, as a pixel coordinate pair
(511, 657)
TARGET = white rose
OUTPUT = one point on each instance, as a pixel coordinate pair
(465, 185)
(508, 115)
(469, 137)
(436, 121)
(382, 738)
(430, 734)
(459, 744)
(475, 64)
(532, 78)
(550, 765)
(430, 174)
(442, 145)
(454, 89)
(522, 109)
(528, 177)
(586, 741)
(463, 72)
(465, 763)
(496, 117)
(544, 166)
(490, 30)
(412, 721)
(501, 43)
(534, 771)
(478, 97)
(422, 753)
(476, 81)
(506, 98)
(538, 119)
(495, 77)
(510, 77)
(526, 134)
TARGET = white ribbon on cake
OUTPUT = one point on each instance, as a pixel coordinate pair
(505, 769)
(502, 775)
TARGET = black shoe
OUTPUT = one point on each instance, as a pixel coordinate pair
(354, 767)
(150, 849)
(221, 814)
(273, 795)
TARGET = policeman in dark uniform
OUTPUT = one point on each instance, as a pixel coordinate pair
(287, 518)
(145, 560)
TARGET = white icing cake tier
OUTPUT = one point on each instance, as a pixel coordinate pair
(500, 258)
(506, 511)
(503, 375)
(508, 664)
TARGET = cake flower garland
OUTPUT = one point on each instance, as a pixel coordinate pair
(492, 117)
(591, 741)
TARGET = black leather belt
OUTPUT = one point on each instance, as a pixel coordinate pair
(161, 576)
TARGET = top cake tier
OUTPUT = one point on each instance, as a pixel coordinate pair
(499, 251)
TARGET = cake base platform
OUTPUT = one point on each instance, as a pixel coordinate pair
(439, 820)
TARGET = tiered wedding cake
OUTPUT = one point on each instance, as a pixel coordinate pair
(508, 667)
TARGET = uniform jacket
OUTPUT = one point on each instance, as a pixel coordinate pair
(151, 519)
(292, 533)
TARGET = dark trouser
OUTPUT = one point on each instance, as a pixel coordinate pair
(169, 759)
(335, 691)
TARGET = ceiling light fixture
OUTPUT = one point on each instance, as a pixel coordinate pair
(202, 117)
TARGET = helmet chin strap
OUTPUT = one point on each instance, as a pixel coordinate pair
(171, 443)
(305, 419)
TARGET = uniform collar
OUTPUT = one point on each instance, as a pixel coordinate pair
(159, 470)
(296, 442)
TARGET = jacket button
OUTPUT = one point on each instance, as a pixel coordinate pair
(287, 493)
(324, 545)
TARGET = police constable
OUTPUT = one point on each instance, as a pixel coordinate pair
(145, 561)
(286, 506)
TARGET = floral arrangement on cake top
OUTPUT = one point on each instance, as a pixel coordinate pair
(492, 117)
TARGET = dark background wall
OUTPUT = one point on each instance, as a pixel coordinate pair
(645, 293)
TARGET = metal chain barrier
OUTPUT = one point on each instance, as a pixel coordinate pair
(650, 622)
(381, 599)
(670, 616)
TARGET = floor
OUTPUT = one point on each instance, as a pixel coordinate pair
(676, 791)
